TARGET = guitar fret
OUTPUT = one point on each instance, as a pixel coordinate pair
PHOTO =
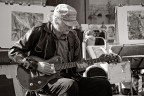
(79, 62)
(74, 64)
(91, 61)
(99, 60)
(70, 64)
(65, 66)
(95, 61)
(56, 67)
(60, 66)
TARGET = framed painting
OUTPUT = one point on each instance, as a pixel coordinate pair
(130, 24)
(16, 20)
(21, 22)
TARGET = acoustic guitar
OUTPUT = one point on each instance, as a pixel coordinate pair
(34, 80)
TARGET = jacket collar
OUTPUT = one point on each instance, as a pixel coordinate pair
(48, 27)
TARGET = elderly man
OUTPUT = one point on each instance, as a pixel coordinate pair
(56, 38)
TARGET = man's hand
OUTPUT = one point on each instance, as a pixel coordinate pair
(46, 68)
(81, 67)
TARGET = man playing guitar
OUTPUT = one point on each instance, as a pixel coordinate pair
(55, 41)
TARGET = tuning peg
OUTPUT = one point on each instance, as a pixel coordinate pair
(28, 4)
(11, 2)
(20, 3)
(6, 2)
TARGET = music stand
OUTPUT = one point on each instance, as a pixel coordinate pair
(137, 61)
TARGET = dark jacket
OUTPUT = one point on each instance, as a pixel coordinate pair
(40, 42)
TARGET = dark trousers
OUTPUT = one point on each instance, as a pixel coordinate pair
(84, 87)
(94, 87)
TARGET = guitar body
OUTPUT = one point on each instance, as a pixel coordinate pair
(34, 81)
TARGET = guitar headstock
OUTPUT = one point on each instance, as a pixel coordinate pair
(111, 58)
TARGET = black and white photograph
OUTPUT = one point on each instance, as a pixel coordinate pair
(71, 47)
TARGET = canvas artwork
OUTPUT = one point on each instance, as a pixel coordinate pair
(18, 19)
(22, 22)
(135, 25)
(130, 24)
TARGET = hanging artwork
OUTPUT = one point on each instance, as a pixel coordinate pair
(130, 24)
(22, 22)
(17, 19)
(135, 25)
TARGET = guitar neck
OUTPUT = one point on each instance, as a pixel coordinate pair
(74, 64)
(57, 59)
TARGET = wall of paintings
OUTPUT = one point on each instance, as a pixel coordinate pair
(16, 20)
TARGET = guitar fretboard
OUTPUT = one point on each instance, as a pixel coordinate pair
(89, 62)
